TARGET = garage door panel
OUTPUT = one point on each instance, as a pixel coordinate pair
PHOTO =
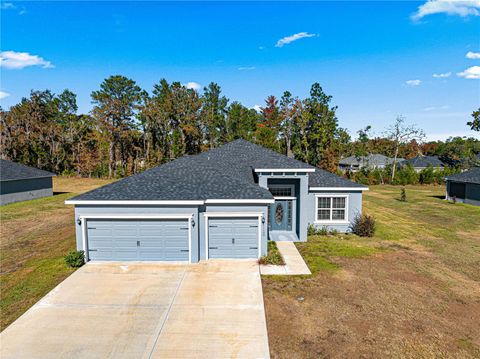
(155, 240)
(243, 231)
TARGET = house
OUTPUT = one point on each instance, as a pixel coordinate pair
(22, 183)
(420, 163)
(464, 187)
(372, 161)
(224, 203)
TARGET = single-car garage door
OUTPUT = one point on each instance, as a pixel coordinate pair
(233, 238)
(137, 240)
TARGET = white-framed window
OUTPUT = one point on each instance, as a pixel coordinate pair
(333, 208)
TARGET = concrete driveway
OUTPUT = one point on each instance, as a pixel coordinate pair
(212, 309)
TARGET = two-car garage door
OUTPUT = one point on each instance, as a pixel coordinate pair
(138, 240)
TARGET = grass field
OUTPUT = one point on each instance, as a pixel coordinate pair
(412, 291)
(35, 236)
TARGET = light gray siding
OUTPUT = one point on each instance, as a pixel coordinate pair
(25, 190)
(354, 204)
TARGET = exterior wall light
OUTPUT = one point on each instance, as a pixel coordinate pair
(79, 221)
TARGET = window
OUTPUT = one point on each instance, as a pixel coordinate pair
(281, 191)
(331, 208)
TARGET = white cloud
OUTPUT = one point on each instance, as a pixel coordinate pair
(470, 73)
(193, 85)
(413, 83)
(3, 94)
(442, 75)
(433, 108)
(246, 68)
(7, 6)
(288, 39)
(473, 55)
(461, 8)
(12, 6)
(257, 108)
(20, 60)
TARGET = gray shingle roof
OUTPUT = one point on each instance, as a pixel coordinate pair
(322, 178)
(470, 176)
(11, 171)
(222, 173)
(424, 161)
(373, 159)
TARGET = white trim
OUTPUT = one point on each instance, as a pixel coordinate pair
(287, 198)
(68, 201)
(84, 239)
(188, 217)
(234, 214)
(172, 203)
(331, 221)
(330, 189)
(276, 170)
(234, 201)
(138, 216)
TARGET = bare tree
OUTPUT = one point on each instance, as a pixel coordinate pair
(400, 133)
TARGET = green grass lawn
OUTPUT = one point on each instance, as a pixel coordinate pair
(35, 236)
(411, 291)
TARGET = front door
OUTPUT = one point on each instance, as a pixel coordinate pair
(281, 215)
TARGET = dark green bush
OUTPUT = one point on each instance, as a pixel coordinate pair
(363, 225)
(75, 259)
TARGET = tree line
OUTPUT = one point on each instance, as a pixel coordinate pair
(129, 129)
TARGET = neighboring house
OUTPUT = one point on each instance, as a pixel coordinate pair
(420, 163)
(464, 187)
(22, 183)
(224, 203)
(372, 161)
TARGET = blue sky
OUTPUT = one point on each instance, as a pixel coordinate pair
(377, 59)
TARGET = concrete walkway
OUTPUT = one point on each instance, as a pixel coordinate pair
(294, 263)
(213, 309)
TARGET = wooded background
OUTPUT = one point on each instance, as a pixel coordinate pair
(130, 130)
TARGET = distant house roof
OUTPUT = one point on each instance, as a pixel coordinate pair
(470, 176)
(226, 172)
(424, 161)
(11, 171)
(373, 160)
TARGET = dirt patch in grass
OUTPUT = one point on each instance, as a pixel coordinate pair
(412, 291)
(34, 237)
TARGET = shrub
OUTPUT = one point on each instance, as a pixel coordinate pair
(324, 231)
(311, 230)
(75, 259)
(273, 256)
(403, 195)
(363, 225)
